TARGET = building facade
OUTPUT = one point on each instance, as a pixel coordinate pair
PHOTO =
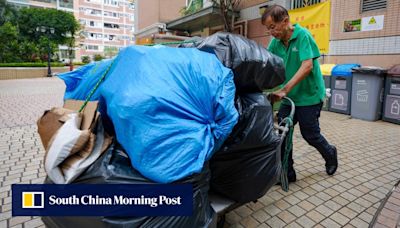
(107, 25)
(378, 47)
(151, 17)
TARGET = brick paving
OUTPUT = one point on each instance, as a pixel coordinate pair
(388, 214)
(356, 196)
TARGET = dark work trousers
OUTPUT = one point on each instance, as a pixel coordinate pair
(308, 119)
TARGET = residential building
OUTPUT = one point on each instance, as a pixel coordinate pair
(378, 47)
(108, 25)
(151, 17)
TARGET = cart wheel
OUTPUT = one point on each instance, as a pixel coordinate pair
(221, 221)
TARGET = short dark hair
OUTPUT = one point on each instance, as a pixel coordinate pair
(278, 13)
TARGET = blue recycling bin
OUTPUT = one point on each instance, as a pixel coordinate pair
(341, 82)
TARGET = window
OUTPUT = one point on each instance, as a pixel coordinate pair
(369, 5)
(91, 11)
(67, 4)
(95, 24)
(46, 1)
(92, 47)
(110, 14)
(65, 54)
(94, 1)
(111, 26)
(108, 37)
(295, 4)
(95, 36)
(111, 2)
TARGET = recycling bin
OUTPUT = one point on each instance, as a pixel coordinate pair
(326, 70)
(367, 93)
(391, 105)
(341, 81)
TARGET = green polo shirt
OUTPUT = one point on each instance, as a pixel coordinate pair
(302, 46)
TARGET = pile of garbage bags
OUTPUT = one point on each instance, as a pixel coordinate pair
(255, 69)
(194, 114)
(114, 167)
(248, 164)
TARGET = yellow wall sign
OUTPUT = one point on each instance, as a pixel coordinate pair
(316, 19)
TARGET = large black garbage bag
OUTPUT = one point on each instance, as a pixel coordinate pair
(115, 167)
(255, 69)
(248, 164)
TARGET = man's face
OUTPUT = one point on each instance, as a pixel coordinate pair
(277, 29)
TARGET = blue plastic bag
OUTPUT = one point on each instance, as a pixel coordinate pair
(171, 108)
(73, 78)
(81, 81)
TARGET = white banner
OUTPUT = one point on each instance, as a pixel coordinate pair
(372, 23)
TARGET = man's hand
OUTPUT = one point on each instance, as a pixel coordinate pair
(278, 95)
(304, 70)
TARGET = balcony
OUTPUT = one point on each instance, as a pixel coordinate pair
(206, 17)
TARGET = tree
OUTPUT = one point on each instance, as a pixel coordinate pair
(110, 51)
(227, 9)
(8, 44)
(28, 51)
(192, 7)
(63, 23)
(71, 43)
(7, 13)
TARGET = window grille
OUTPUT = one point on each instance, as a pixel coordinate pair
(369, 5)
(295, 4)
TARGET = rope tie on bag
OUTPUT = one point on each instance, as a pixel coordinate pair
(96, 87)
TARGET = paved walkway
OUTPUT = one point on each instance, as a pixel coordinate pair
(358, 195)
(388, 214)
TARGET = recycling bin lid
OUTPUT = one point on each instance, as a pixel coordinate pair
(378, 71)
(326, 69)
(394, 70)
(344, 69)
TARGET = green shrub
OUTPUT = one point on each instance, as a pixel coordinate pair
(79, 63)
(85, 59)
(30, 64)
(98, 57)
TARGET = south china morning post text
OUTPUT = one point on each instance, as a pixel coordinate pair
(102, 200)
(116, 200)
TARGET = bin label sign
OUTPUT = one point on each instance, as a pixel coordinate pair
(361, 82)
(362, 96)
(339, 99)
(340, 84)
(395, 89)
(395, 108)
(392, 107)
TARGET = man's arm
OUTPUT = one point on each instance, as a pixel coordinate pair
(304, 70)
